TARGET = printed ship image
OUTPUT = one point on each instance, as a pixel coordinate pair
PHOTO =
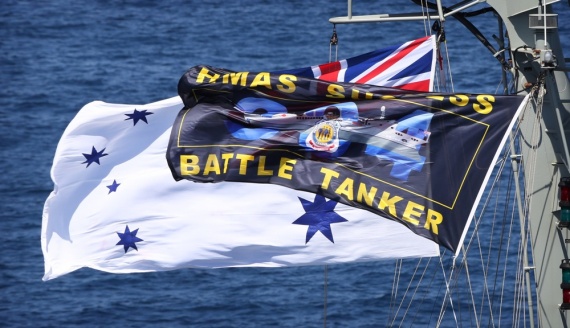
(332, 128)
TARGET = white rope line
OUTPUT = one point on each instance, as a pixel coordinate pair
(532, 162)
(470, 286)
(525, 223)
(449, 67)
(405, 293)
(447, 294)
(330, 53)
(519, 292)
(475, 235)
(395, 283)
(425, 13)
(513, 208)
(415, 290)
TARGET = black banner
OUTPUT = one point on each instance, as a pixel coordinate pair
(420, 159)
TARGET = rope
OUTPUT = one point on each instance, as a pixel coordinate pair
(507, 248)
(395, 283)
(470, 286)
(333, 42)
(415, 290)
(425, 13)
(405, 293)
(326, 278)
(447, 294)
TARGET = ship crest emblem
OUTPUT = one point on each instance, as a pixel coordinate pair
(324, 136)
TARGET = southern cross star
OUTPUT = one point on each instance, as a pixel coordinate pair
(113, 187)
(128, 239)
(94, 156)
(319, 216)
(138, 115)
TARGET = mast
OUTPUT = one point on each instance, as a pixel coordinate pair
(539, 67)
(533, 34)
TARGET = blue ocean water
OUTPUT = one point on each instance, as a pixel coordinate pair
(58, 55)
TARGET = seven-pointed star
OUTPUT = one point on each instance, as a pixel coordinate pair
(128, 239)
(113, 187)
(94, 156)
(138, 115)
(319, 216)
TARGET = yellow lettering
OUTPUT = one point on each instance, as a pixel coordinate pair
(243, 162)
(212, 165)
(235, 78)
(262, 79)
(205, 73)
(413, 210)
(226, 157)
(335, 91)
(261, 168)
(189, 165)
(459, 100)
(432, 220)
(484, 106)
(346, 188)
(327, 179)
(355, 93)
(288, 86)
(366, 196)
(285, 166)
(386, 201)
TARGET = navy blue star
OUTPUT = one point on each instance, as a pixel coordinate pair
(113, 187)
(319, 216)
(136, 116)
(94, 156)
(128, 239)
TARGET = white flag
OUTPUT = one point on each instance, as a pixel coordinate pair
(116, 207)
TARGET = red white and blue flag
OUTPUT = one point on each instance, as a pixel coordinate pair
(410, 66)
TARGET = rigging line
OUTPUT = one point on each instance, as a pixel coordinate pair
(439, 288)
(420, 311)
(485, 204)
(464, 266)
(395, 283)
(518, 296)
(506, 211)
(497, 177)
(425, 13)
(523, 277)
(405, 293)
(449, 67)
(495, 194)
(333, 42)
(529, 185)
(502, 232)
(513, 209)
(461, 17)
(470, 286)
(477, 222)
(517, 290)
(326, 279)
(532, 151)
(415, 290)
(524, 222)
(447, 294)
